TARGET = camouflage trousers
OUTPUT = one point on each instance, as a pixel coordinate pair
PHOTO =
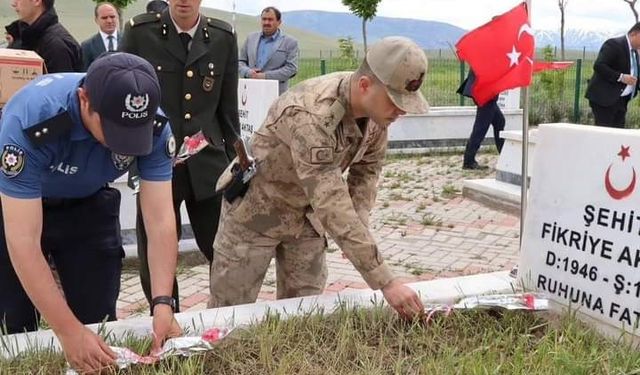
(242, 257)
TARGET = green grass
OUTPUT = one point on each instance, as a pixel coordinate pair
(430, 219)
(449, 191)
(396, 218)
(376, 341)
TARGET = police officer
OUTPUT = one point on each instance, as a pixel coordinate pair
(63, 138)
(312, 134)
(196, 59)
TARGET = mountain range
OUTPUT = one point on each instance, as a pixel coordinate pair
(428, 34)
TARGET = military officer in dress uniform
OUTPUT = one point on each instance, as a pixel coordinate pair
(63, 138)
(196, 59)
(312, 134)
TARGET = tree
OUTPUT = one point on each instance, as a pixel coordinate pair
(562, 4)
(366, 10)
(632, 5)
(347, 48)
(348, 51)
(120, 5)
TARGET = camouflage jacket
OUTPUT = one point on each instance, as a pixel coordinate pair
(307, 142)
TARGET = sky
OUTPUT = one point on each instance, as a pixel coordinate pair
(596, 15)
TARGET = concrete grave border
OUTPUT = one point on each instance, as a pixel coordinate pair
(433, 291)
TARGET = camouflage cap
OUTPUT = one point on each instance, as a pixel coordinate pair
(401, 65)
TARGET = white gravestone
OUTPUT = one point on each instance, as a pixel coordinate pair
(509, 99)
(448, 126)
(581, 243)
(254, 99)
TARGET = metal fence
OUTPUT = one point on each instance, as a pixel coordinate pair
(555, 96)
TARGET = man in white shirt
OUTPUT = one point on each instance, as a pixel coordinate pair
(107, 38)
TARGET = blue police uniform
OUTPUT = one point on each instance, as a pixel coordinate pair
(46, 152)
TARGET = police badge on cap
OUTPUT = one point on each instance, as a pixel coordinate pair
(136, 103)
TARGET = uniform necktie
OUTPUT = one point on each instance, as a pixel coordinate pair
(185, 38)
(110, 43)
(634, 63)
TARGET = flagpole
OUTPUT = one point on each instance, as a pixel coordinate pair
(525, 149)
(233, 15)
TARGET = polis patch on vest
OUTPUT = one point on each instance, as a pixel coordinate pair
(12, 160)
(121, 162)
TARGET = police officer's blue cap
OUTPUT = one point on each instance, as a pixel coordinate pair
(124, 90)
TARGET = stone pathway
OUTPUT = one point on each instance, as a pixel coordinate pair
(425, 229)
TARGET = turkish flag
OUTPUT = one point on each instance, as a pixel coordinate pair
(541, 66)
(500, 53)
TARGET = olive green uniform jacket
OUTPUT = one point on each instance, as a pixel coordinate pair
(199, 90)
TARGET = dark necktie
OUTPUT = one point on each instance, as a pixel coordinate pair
(185, 38)
(634, 70)
(110, 43)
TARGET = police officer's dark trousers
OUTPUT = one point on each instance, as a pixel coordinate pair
(203, 215)
(81, 237)
(488, 114)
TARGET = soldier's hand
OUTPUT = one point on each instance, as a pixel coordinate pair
(164, 326)
(85, 351)
(403, 299)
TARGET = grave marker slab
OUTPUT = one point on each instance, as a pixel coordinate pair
(582, 229)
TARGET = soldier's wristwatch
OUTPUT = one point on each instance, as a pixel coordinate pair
(163, 300)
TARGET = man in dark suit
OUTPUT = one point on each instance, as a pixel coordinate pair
(107, 38)
(615, 79)
(196, 59)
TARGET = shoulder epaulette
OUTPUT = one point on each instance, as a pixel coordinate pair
(159, 123)
(219, 24)
(143, 18)
(49, 130)
(335, 114)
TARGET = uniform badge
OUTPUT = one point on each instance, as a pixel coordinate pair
(12, 160)
(121, 162)
(321, 155)
(207, 84)
(171, 147)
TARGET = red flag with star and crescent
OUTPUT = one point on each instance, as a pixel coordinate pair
(500, 53)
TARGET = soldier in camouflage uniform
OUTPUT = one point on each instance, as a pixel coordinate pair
(312, 134)
(196, 59)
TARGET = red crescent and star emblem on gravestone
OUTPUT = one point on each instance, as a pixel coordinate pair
(613, 192)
